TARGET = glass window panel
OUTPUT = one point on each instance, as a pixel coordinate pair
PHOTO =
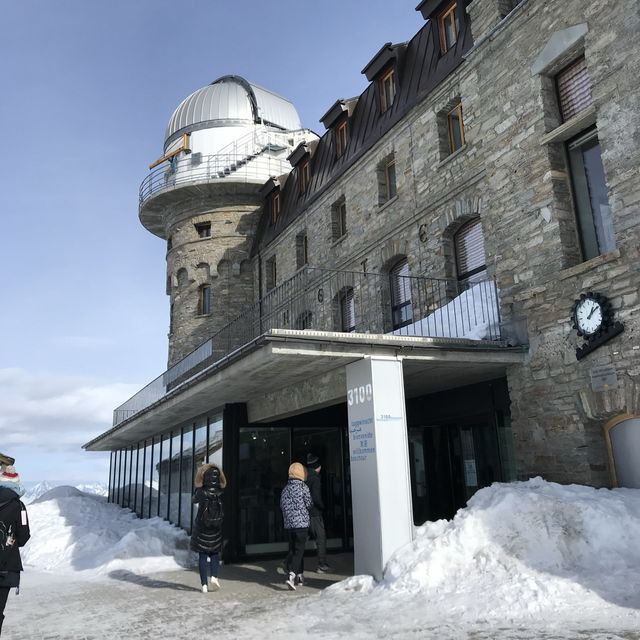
(591, 197)
(139, 479)
(174, 481)
(154, 481)
(165, 475)
(186, 476)
(215, 440)
(391, 180)
(264, 457)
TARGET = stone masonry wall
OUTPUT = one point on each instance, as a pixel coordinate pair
(520, 188)
(220, 261)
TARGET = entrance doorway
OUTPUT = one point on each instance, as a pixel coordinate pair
(265, 453)
(449, 463)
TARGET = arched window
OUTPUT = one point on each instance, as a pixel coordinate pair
(347, 311)
(470, 257)
(204, 300)
(400, 282)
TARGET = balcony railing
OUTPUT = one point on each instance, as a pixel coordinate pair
(341, 301)
(195, 168)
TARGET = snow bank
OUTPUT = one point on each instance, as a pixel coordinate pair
(72, 531)
(520, 549)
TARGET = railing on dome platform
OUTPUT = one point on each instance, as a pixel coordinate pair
(344, 302)
(195, 168)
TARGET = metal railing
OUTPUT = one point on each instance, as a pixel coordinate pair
(253, 157)
(195, 168)
(345, 302)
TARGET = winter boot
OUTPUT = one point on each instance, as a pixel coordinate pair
(214, 584)
(204, 588)
(300, 579)
(291, 581)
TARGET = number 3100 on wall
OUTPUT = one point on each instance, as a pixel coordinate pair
(360, 395)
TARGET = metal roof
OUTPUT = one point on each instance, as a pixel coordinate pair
(231, 100)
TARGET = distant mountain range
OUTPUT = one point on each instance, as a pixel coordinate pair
(38, 490)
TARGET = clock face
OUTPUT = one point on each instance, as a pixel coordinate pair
(589, 316)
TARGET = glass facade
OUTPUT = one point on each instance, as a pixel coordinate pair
(155, 477)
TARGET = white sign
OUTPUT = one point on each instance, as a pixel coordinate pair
(379, 454)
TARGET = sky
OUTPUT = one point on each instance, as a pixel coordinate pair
(88, 88)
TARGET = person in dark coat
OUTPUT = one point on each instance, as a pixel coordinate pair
(206, 537)
(316, 519)
(295, 502)
(14, 533)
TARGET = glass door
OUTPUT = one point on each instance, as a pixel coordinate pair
(448, 464)
(326, 443)
(263, 464)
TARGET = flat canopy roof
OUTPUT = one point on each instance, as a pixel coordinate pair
(283, 359)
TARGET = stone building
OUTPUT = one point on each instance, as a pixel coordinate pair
(472, 214)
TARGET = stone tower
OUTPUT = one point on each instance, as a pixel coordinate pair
(222, 143)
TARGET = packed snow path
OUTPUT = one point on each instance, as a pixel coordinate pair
(528, 560)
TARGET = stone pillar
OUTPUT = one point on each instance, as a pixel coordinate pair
(379, 455)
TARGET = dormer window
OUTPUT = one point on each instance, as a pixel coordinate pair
(387, 84)
(448, 27)
(274, 207)
(304, 175)
(341, 138)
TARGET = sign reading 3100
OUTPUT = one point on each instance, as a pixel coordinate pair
(360, 395)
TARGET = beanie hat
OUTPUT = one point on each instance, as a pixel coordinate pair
(6, 460)
(312, 460)
(9, 474)
(297, 471)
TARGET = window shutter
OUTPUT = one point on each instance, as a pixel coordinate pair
(469, 247)
(574, 89)
(400, 284)
(348, 311)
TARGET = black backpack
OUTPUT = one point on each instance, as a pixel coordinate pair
(210, 514)
(6, 532)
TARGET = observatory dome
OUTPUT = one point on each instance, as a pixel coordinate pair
(229, 101)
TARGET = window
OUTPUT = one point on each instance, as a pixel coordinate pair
(274, 207)
(387, 180)
(338, 219)
(203, 229)
(204, 300)
(170, 243)
(400, 282)
(448, 27)
(304, 320)
(302, 250)
(595, 223)
(347, 311)
(387, 90)
(456, 127)
(271, 273)
(304, 175)
(574, 89)
(341, 138)
(469, 251)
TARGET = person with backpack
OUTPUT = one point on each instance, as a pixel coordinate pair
(295, 502)
(206, 537)
(14, 532)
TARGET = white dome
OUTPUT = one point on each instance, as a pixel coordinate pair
(228, 101)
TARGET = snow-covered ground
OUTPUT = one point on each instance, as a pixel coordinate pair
(523, 560)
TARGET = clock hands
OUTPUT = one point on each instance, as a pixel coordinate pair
(592, 312)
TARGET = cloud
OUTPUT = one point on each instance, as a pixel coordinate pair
(51, 412)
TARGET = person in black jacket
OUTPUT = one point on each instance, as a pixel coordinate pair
(316, 525)
(14, 533)
(206, 537)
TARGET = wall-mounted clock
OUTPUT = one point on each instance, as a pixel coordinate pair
(593, 319)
